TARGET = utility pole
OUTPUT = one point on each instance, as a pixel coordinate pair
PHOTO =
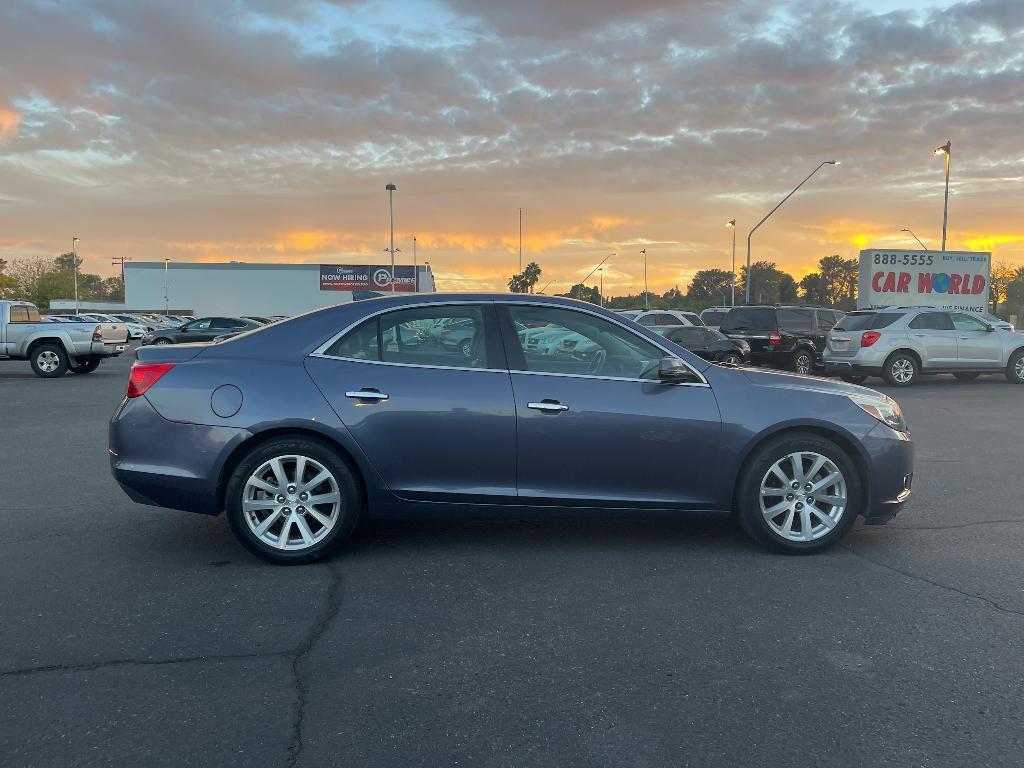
(415, 269)
(167, 309)
(121, 260)
(520, 241)
(74, 264)
(391, 207)
(600, 298)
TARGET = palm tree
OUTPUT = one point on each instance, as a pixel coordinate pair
(531, 275)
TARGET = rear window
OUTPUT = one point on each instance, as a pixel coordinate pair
(713, 316)
(867, 321)
(799, 320)
(749, 319)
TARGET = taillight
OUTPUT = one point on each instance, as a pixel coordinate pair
(145, 375)
(869, 337)
(774, 339)
(97, 334)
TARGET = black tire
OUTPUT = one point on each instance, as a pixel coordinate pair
(854, 378)
(351, 503)
(967, 375)
(45, 365)
(748, 508)
(1015, 368)
(731, 358)
(466, 347)
(802, 361)
(901, 370)
(161, 341)
(84, 366)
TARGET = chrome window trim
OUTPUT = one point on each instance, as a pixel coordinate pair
(320, 351)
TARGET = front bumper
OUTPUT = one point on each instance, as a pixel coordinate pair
(890, 460)
(167, 463)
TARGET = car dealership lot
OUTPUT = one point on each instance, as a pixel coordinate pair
(134, 635)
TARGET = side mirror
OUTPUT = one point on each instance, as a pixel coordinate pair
(990, 328)
(672, 370)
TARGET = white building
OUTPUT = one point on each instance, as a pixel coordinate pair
(235, 288)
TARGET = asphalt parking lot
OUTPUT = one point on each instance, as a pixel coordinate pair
(139, 636)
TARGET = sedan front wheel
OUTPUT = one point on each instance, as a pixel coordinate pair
(799, 494)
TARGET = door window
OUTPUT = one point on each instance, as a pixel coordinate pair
(796, 320)
(198, 325)
(750, 319)
(968, 323)
(931, 321)
(688, 337)
(443, 336)
(570, 342)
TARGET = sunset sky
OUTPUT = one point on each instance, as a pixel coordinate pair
(266, 131)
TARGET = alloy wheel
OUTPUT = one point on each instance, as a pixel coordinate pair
(732, 360)
(1018, 369)
(803, 363)
(291, 502)
(48, 361)
(803, 496)
(902, 370)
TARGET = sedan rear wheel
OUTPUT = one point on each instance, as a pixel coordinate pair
(799, 494)
(292, 500)
(803, 361)
(731, 358)
(162, 341)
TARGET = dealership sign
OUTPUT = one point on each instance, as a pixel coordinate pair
(365, 277)
(946, 279)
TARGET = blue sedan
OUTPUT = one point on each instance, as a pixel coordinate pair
(298, 429)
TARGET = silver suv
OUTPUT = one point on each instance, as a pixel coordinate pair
(902, 343)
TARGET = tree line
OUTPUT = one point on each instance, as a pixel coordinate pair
(832, 284)
(40, 280)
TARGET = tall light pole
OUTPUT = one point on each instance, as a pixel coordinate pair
(415, 269)
(731, 223)
(600, 296)
(947, 150)
(646, 297)
(391, 207)
(167, 308)
(773, 210)
(74, 264)
(915, 237)
(583, 282)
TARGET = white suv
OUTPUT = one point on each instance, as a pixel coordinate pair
(657, 318)
(902, 343)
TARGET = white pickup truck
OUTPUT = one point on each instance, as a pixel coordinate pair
(53, 349)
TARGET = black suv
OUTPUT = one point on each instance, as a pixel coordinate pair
(789, 337)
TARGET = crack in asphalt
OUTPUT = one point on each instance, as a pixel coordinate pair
(917, 577)
(299, 672)
(298, 655)
(953, 527)
(89, 666)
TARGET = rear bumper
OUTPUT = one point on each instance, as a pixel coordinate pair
(99, 349)
(168, 464)
(890, 472)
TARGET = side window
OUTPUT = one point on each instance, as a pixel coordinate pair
(33, 314)
(796, 320)
(967, 323)
(199, 325)
(648, 320)
(448, 336)
(567, 341)
(221, 323)
(666, 319)
(688, 337)
(361, 343)
(19, 315)
(931, 321)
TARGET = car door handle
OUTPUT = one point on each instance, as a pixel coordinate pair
(548, 406)
(367, 394)
(918, 335)
(963, 337)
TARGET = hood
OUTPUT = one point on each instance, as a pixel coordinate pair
(784, 380)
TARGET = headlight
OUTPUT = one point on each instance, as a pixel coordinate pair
(885, 409)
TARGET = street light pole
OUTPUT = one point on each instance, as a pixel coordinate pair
(915, 237)
(732, 225)
(167, 309)
(947, 150)
(646, 297)
(773, 210)
(74, 264)
(415, 269)
(391, 207)
(600, 296)
(520, 241)
(583, 282)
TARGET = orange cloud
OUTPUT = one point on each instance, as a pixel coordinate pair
(9, 122)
